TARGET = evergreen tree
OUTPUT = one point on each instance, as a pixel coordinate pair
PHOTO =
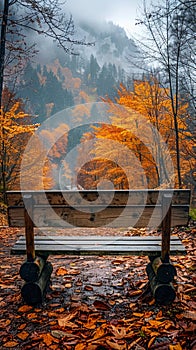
(106, 83)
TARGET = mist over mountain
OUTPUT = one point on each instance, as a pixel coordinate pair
(56, 80)
(110, 44)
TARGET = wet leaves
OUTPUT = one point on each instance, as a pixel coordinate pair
(97, 304)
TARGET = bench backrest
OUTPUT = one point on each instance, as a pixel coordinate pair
(119, 208)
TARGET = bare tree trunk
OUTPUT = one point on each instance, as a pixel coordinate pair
(2, 65)
(2, 45)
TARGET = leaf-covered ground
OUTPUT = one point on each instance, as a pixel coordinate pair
(97, 303)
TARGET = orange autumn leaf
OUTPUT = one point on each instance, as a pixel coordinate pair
(61, 271)
(65, 320)
(155, 323)
(154, 334)
(80, 346)
(115, 345)
(4, 323)
(22, 326)
(48, 339)
(151, 341)
(136, 292)
(23, 335)
(118, 332)
(91, 323)
(32, 315)
(10, 344)
(68, 324)
(100, 332)
(175, 347)
(25, 308)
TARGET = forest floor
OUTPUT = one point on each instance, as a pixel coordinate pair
(98, 303)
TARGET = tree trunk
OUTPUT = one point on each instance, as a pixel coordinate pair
(2, 44)
(2, 65)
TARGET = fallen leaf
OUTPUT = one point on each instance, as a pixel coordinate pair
(10, 344)
(61, 271)
(23, 335)
(22, 326)
(100, 305)
(135, 292)
(63, 323)
(80, 346)
(100, 332)
(48, 339)
(175, 347)
(116, 346)
(32, 315)
(119, 332)
(151, 342)
(25, 308)
(68, 317)
(56, 333)
(97, 284)
(88, 288)
(91, 323)
(4, 323)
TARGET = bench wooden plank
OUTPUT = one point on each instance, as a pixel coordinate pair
(124, 239)
(138, 216)
(96, 245)
(118, 197)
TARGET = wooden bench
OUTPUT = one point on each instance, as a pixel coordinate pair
(121, 209)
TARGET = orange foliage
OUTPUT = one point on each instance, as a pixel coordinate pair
(14, 134)
(139, 144)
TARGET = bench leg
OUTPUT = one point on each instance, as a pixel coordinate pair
(163, 293)
(30, 271)
(166, 227)
(34, 292)
(29, 228)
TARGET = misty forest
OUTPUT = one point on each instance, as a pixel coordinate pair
(86, 106)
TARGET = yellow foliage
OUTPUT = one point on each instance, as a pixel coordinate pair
(140, 140)
(14, 134)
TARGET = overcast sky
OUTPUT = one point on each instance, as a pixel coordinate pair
(121, 12)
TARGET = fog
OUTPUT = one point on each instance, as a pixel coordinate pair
(123, 13)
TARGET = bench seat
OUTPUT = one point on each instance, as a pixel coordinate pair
(98, 245)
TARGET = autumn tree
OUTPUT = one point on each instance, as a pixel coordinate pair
(169, 44)
(118, 154)
(13, 138)
(152, 100)
(18, 19)
(140, 141)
